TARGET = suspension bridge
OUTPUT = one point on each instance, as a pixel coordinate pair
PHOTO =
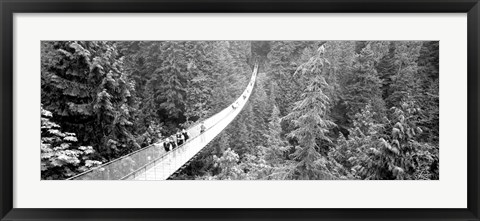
(154, 163)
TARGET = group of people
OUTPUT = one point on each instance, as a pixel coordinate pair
(235, 105)
(180, 138)
(176, 140)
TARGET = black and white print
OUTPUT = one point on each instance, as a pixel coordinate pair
(239, 110)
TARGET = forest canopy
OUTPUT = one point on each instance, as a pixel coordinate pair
(320, 110)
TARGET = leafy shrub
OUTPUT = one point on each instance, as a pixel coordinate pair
(60, 158)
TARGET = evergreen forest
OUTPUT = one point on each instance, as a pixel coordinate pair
(319, 110)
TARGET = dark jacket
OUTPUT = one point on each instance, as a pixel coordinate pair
(166, 146)
(185, 135)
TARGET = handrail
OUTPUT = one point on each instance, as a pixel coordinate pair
(112, 161)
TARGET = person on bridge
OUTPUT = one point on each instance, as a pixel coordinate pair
(166, 145)
(173, 141)
(180, 138)
(202, 129)
(185, 134)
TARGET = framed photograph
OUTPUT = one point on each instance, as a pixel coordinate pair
(241, 110)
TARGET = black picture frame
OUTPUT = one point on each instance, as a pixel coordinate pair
(9, 7)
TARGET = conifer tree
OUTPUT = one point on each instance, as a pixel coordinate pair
(261, 110)
(341, 55)
(405, 82)
(280, 70)
(276, 146)
(428, 72)
(229, 81)
(169, 79)
(387, 68)
(364, 85)
(85, 87)
(309, 116)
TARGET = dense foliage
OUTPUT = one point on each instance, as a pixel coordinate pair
(319, 109)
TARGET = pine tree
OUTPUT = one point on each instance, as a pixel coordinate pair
(282, 65)
(428, 72)
(309, 116)
(261, 109)
(276, 146)
(428, 61)
(405, 82)
(200, 84)
(229, 81)
(170, 78)
(241, 133)
(240, 52)
(85, 87)
(387, 68)
(364, 85)
(341, 55)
